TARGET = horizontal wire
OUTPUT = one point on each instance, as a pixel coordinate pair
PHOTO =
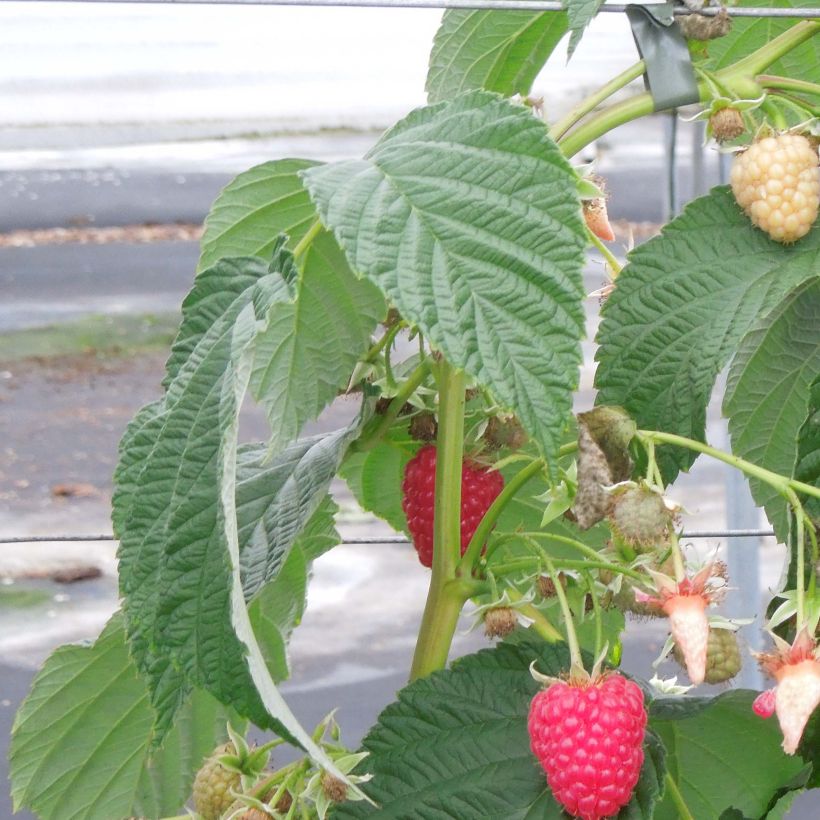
(374, 539)
(476, 5)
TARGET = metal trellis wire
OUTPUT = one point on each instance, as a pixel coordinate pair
(371, 539)
(477, 5)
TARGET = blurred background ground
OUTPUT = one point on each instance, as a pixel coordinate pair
(118, 127)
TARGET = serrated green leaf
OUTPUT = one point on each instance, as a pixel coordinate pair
(721, 755)
(749, 34)
(807, 468)
(80, 742)
(313, 343)
(179, 550)
(680, 308)
(580, 13)
(768, 389)
(253, 209)
(466, 215)
(499, 51)
(455, 745)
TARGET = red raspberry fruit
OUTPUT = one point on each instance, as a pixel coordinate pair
(589, 739)
(480, 486)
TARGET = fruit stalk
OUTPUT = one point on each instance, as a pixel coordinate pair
(444, 600)
(778, 482)
(677, 798)
(491, 516)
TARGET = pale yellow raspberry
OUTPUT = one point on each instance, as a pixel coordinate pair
(777, 183)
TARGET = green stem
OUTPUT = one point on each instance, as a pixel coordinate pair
(611, 117)
(487, 523)
(385, 340)
(788, 84)
(540, 623)
(802, 107)
(444, 600)
(801, 558)
(516, 564)
(738, 77)
(677, 798)
(304, 243)
(576, 660)
(778, 482)
(758, 61)
(593, 100)
(610, 258)
(562, 539)
(372, 436)
(599, 621)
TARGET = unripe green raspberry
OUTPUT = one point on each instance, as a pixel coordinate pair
(777, 183)
(213, 785)
(723, 660)
(640, 518)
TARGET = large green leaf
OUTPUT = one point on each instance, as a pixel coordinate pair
(455, 745)
(680, 308)
(499, 51)
(749, 34)
(767, 393)
(80, 747)
(313, 343)
(721, 755)
(464, 214)
(179, 550)
(807, 468)
(253, 209)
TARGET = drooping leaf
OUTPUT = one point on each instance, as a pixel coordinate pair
(313, 342)
(721, 755)
(462, 214)
(80, 747)
(179, 551)
(768, 390)
(455, 745)
(499, 51)
(807, 468)
(276, 499)
(253, 209)
(749, 34)
(580, 13)
(279, 605)
(680, 308)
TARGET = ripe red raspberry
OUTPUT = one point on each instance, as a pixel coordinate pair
(479, 488)
(589, 739)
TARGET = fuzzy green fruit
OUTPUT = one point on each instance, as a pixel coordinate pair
(723, 660)
(213, 785)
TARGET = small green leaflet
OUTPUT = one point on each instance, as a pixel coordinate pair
(500, 51)
(462, 215)
(455, 745)
(253, 209)
(580, 13)
(721, 755)
(768, 392)
(680, 309)
(80, 747)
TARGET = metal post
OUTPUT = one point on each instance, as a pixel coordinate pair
(743, 559)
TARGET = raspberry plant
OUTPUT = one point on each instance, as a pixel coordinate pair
(464, 229)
